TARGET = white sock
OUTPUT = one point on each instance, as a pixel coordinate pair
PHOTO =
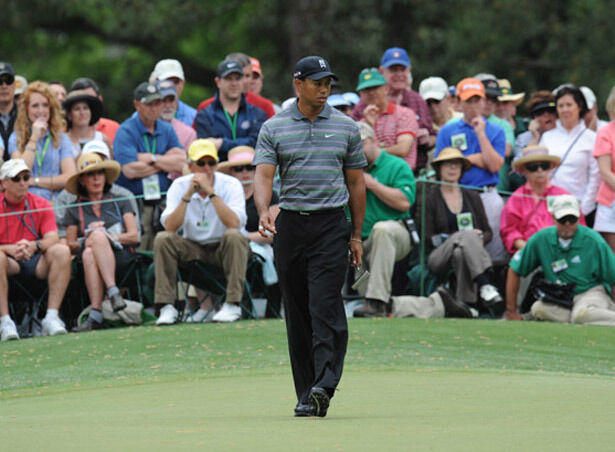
(5, 319)
(52, 313)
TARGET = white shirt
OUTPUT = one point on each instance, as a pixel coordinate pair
(578, 173)
(201, 222)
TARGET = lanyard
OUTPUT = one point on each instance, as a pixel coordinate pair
(40, 158)
(151, 150)
(232, 123)
(27, 209)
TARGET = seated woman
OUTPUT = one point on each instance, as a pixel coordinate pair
(38, 140)
(528, 209)
(101, 230)
(239, 165)
(456, 225)
(82, 113)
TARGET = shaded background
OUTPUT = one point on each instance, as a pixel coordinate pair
(536, 44)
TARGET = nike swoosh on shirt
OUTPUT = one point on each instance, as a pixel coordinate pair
(329, 135)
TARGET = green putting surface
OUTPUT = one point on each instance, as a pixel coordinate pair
(408, 385)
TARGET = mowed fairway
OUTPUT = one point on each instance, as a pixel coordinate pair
(408, 385)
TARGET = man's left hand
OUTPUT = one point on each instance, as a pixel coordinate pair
(356, 253)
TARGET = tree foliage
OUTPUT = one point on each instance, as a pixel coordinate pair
(536, 44)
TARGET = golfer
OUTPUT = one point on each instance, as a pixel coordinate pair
(320, 161)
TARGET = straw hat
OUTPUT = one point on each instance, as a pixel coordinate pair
(238, 156)
(92, 162)
(451, 153)
(535, 153)
(508, 95)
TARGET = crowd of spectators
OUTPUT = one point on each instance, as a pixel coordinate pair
(178, 181)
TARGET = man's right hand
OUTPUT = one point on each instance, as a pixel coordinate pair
(201, 183)
(371, 114)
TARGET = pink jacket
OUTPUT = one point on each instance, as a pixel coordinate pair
(523, 215)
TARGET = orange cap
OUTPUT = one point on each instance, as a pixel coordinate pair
(469, 87)
(256, 66)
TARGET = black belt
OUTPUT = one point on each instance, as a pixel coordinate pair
(315, 212)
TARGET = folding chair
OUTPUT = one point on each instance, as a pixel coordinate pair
(28, 295)
(212, 278)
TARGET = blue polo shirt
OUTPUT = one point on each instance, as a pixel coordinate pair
(130, 139)
(459, 134)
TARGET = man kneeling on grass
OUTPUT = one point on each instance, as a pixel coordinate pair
(569, 253)
(29, 245)
(209, 207)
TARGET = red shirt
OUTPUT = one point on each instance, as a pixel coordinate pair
(22, 225)
(108, 127)
(253, 99)
(396, 121)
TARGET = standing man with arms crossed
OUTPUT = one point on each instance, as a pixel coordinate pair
(320, 158)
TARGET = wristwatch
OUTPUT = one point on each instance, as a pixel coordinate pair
(39, 246)
(37, 181)
(154, 158)
(213, 195)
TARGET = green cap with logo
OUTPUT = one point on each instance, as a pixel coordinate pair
(370, 78)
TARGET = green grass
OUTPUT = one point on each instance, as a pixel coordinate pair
(408, 384)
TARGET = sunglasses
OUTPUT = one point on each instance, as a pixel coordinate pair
(240, 168)
(202, 163)
(25, 178)
(533, 167)
(433, 101)
(6, 80)
(95, 173)
(568, 219)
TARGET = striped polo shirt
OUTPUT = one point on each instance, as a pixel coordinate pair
(311, 156)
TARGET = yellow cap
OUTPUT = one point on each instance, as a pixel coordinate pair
(202, 148)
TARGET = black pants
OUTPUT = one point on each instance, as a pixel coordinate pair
(311, 257)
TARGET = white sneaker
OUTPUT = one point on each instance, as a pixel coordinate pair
(168, 315)
(230, 312)
(8, 331)
(201, 316)
(490, 294)
(53, 326)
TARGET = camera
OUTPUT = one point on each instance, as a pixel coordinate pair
(411, 227)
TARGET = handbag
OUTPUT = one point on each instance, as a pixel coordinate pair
(557, 293)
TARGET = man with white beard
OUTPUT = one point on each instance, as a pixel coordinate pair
(168, 91)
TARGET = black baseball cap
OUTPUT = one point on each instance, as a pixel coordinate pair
(6, 68)
(146, 93)
(314, 68)
(229, 67)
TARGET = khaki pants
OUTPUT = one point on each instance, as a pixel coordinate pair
(430, 307)
(592, 307)
(171, 250)
(465, 253)
(388, 242)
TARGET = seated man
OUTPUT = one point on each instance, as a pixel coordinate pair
(209, 207)
(148, 150)
(390, 193)
(395, 127)
(29, 245)
(568, 253)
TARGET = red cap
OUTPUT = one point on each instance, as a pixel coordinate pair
(256, 66)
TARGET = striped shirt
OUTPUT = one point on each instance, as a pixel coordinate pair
(311, 156)
(396, 121)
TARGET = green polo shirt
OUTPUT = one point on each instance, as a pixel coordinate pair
(393, 172)
(587, 261)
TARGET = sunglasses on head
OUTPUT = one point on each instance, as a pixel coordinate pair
(6, 80)
(570, 219)
(240, 168)
(18, 178)
(533, 167)
(205, 162)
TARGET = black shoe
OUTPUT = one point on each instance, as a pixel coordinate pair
(117, 302)
(304, 410)
(88, 325)
(452, 307)
(319, 400)
(371, 308)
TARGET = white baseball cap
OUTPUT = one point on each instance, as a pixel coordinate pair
(566, 205)
(433, 88)
(590, 97)
(12, 168)
(168, 68)
(98, 147)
